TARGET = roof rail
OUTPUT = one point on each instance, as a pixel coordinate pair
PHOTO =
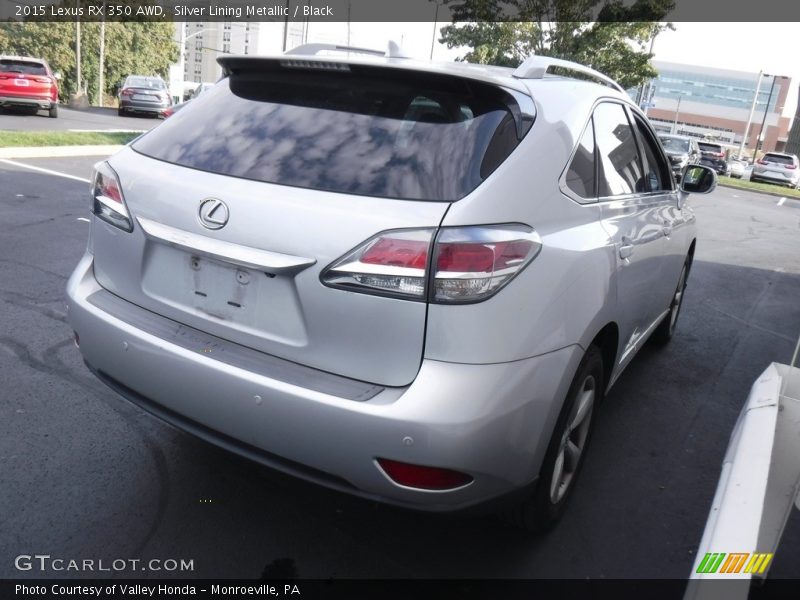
(392, 51)
(535, 67)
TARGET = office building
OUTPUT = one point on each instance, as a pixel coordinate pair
(714, 104)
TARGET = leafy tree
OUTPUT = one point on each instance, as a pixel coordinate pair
(130, 47)
(606, 35)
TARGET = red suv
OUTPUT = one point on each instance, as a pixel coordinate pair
(28, 82)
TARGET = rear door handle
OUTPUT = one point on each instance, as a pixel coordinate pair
(626, 250)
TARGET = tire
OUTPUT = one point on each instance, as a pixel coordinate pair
(666, 329)
(561, 467)
(121, 112)
(53, 112)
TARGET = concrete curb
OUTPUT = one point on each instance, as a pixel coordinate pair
(59, 151)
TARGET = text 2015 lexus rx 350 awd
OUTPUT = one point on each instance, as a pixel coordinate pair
(405, 280)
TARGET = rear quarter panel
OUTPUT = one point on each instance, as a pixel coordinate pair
(567, 294)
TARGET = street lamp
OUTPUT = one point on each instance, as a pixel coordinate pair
(750, 118)
(764, 120)
(677, 112)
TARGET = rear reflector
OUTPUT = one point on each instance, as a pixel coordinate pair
(469, 264)
(423, 478)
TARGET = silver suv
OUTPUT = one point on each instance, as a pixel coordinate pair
(410, 281)
(777, 167)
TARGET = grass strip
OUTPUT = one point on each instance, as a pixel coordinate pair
(38, 139)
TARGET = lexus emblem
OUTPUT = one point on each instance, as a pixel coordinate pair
(213, 213)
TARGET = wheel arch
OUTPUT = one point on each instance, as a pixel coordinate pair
(607, 340)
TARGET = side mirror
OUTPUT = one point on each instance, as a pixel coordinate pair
(57, 74)
(698, 179)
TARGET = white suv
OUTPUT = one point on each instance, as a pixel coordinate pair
(776, 167)
(410, 281)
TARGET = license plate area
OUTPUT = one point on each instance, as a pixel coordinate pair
(146, 97)
(220, 289)
(198, 290)
(22, 82)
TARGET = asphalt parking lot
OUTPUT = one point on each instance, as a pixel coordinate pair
(85, 474)
(91, 119)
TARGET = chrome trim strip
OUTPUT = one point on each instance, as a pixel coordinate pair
(243, 256)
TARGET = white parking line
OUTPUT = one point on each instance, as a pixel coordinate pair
(781, 201)
(48, 171)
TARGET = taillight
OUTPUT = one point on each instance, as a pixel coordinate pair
(791, 166)
(392, 263)
(720, 155)
(108, 202)
(42, 80)
(126, 92)
(468, 264)
(762, 162)
(472, 263)
(424, 478)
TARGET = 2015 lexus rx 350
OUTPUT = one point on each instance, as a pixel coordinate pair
(405, 280)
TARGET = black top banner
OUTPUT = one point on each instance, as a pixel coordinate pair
(401, 10)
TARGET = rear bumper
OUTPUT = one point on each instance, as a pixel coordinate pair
(28, 101)
(768, 178)
(491, 421)
(146, 107)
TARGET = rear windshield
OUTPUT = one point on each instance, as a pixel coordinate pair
(675, 144)
(781, 159)
(710, 147)
(356, 130)
(22, 66)
(145, 82)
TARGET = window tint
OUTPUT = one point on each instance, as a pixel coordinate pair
(145, 82)
(706, 147)
(677, 144)
(619, 168)
(580, 173)
(22, 66)
(782, 159)
(657, 173)
(357, 130)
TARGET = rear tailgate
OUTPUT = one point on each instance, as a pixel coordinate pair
(288, 313)
(301, 174)
(22, 78)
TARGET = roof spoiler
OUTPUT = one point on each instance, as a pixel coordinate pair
(393, 50)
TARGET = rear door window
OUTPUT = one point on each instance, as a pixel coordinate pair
(619, 166)
(372, 131)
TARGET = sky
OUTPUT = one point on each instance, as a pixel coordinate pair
(771, 47)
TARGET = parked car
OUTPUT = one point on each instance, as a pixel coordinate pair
(28, 83)
(144, 95)
(681, 151)
(777, 167)
(410, 281)
(737, 168)
(713, 155)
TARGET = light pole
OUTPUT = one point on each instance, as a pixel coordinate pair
(764, 120)
(435, 20)
(750, 118)
(677, 112)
